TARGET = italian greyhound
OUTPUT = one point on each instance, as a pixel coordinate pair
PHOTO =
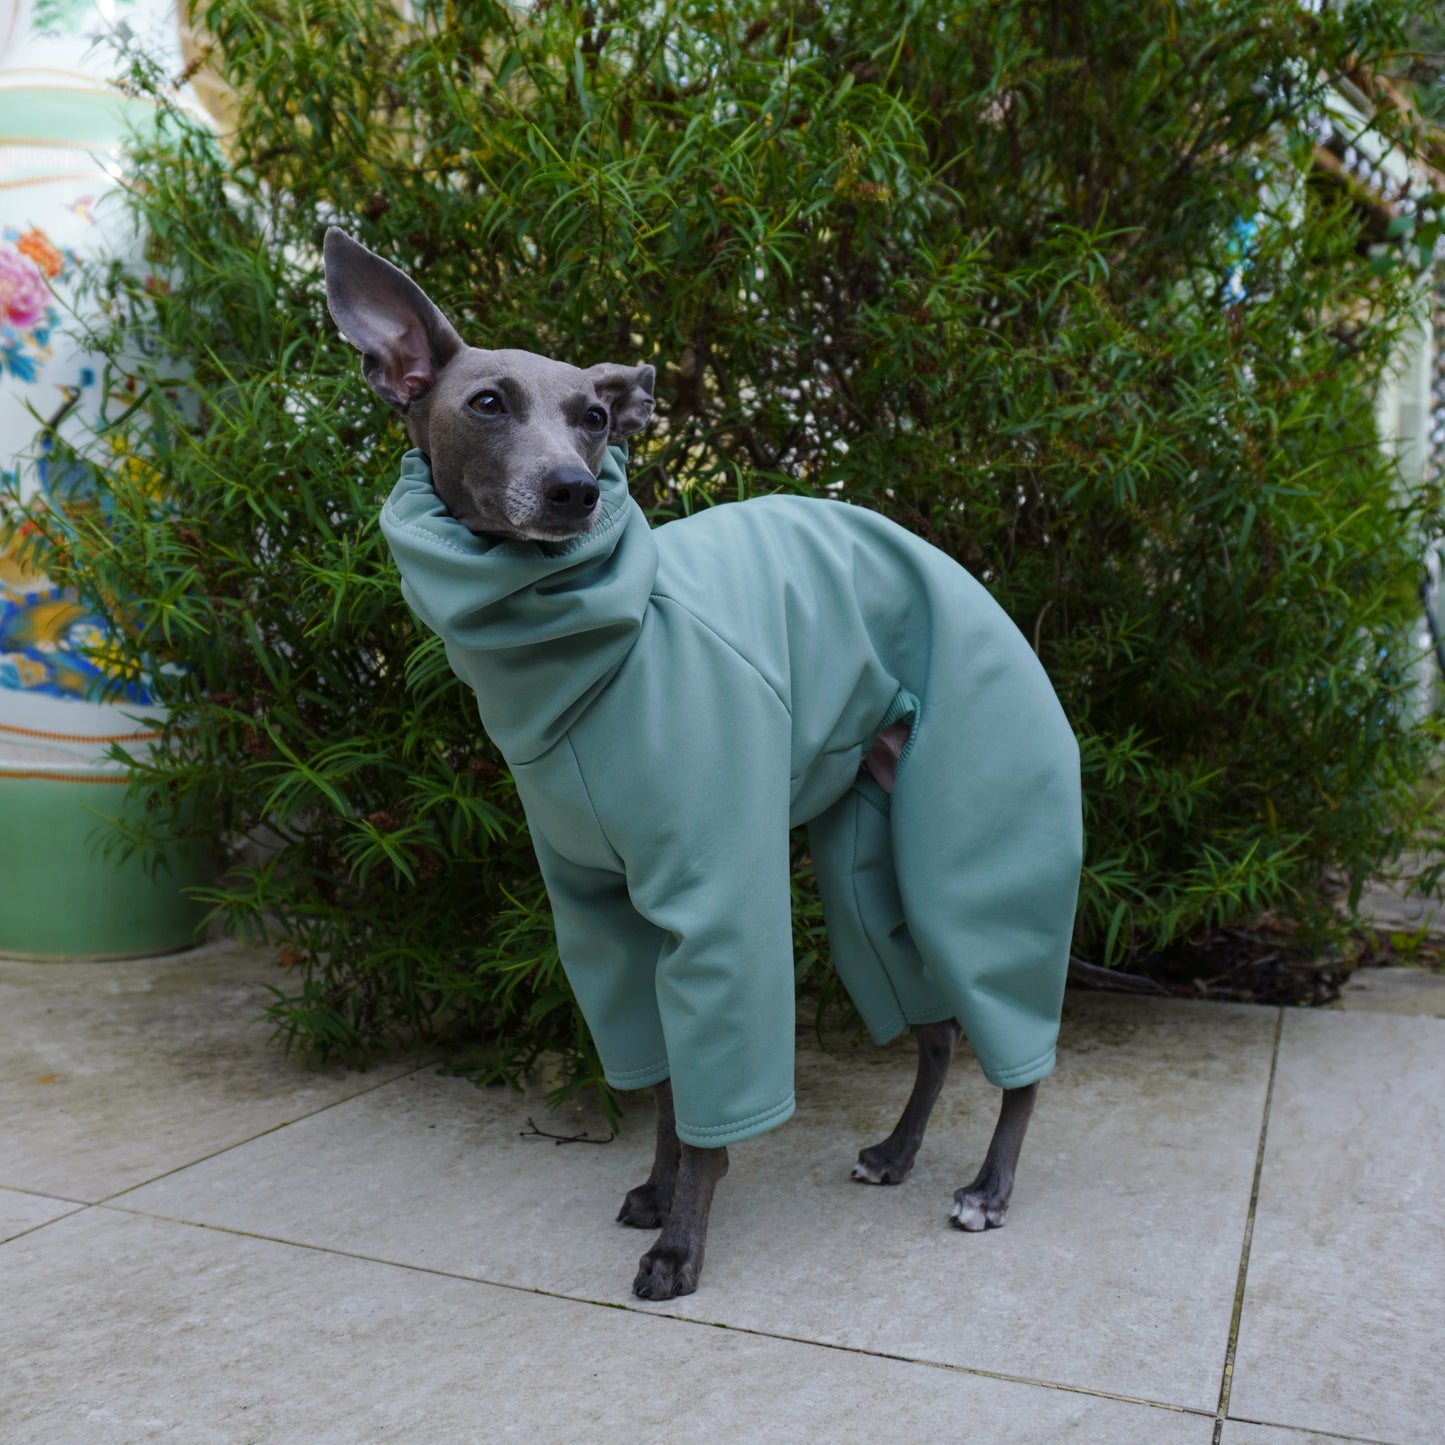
(515, 442)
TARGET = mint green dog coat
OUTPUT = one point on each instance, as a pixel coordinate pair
(671, 702)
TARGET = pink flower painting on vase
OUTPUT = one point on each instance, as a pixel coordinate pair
(27, 308)
(24, 296)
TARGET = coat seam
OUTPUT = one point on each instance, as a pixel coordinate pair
(737, 1123)
(866, 931)
(402, 524)
(1000, 1077)
(648, 1072)
(708, 628)
(591, 806)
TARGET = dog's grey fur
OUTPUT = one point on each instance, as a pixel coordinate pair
(516, 441)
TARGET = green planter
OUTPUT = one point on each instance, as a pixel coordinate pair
(61, 895)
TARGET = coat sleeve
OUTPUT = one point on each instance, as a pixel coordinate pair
(700, 821)
(609, 953)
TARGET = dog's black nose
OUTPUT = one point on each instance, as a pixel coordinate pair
(570, 492)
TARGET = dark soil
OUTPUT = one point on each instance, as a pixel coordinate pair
(1268, 963)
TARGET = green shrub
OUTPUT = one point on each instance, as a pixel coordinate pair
(964, 263)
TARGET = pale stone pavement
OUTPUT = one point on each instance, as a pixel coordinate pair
(1229, 1226)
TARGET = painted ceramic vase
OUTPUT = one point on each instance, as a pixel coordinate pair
(63, 128)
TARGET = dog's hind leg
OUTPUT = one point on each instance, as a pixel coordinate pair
(646, 1206)
(890, 1161)
(984, 1203)
(672, 1266)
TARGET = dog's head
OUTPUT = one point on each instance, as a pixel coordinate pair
(515, 439)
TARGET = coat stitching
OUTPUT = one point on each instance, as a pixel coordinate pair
(737, 1123)
(746, 661)
(591, 806)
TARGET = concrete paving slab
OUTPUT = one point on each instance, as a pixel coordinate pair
(1397, 912)
(119, 1328)
(113, 1073)
(1239, 1432)
(21, 1212)
(1344, 1309)
(1388, 901)
(1116, 1271)
(1411, 991)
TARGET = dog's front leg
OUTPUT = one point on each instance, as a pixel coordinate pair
(890, 1161)
(984, 1203)
(646, 1206)
(672, 1266)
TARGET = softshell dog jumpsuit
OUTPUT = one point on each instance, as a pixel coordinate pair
(670, 702)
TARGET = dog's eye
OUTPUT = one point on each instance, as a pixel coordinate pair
(594, 419)
(489, 403)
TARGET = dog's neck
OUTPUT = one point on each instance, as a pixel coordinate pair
(535, 629)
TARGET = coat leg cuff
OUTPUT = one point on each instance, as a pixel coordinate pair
(643, 1078)
(714, 1136)
(1021, 1075)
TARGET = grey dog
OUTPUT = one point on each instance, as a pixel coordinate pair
(530, 473)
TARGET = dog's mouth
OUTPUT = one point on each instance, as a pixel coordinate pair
(522, 516)
(562, 534)
(530, 531)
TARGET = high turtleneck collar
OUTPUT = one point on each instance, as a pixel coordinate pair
(535, 628)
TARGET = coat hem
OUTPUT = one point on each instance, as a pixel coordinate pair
(1021, 1075)
(714, 1136)
(637, 1078)
(897, 1022)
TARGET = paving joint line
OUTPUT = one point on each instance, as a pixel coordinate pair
(647, 1314)
(260, 1134)
(1313, 1431)
(1226, 1382)
(46, 1223)
(42, 1194)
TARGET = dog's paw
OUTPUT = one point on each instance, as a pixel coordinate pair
(666, 1272)
(975, 1209)
(880, 1165)
(644, 1207)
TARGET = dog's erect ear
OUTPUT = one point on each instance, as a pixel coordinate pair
(627, 390)
(403, 339)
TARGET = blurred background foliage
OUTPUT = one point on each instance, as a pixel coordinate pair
(1048, 283)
